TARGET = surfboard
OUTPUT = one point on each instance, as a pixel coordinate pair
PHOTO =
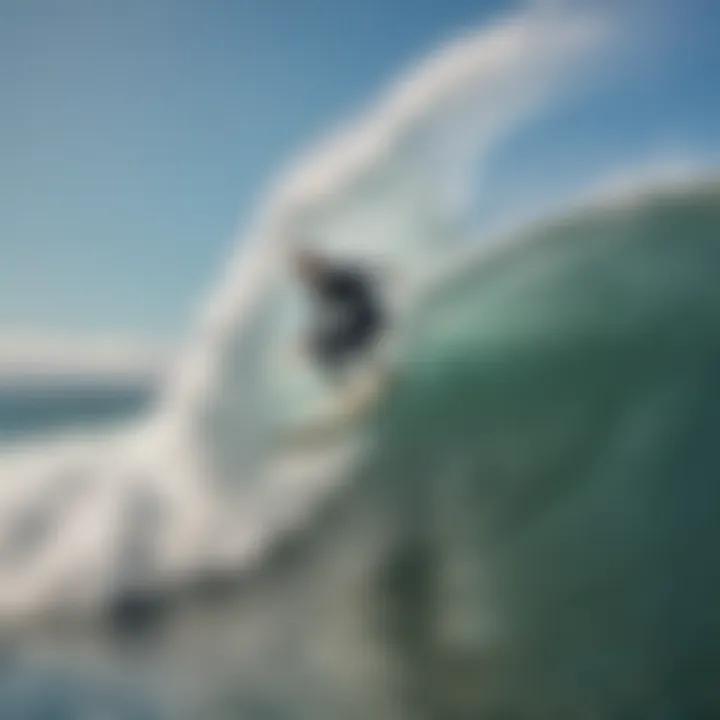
(347, 405)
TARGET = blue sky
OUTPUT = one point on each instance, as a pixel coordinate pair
(135, 135)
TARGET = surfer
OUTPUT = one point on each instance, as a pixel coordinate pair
(348, 318)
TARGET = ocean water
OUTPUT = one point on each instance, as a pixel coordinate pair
(524, 525)
(41, 409)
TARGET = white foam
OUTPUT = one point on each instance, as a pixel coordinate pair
(392, 184)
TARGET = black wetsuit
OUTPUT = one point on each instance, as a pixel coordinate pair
(348, 317)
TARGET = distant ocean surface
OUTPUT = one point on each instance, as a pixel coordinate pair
(33, 409)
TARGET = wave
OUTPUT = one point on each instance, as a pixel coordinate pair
(387, 189)
(535, 502)
(532, 530)
(531, 525)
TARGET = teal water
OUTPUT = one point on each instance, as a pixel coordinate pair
(559, 422)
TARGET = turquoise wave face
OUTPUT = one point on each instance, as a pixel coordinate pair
(553, 441)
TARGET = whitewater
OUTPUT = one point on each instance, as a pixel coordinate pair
(525, 523)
